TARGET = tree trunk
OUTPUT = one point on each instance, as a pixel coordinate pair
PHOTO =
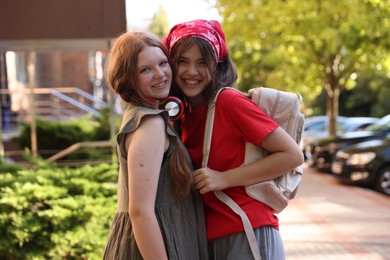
(332, 109)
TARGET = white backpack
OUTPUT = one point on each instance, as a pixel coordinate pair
(284, 108)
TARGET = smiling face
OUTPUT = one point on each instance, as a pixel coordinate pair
(192, 75)
(154, 74)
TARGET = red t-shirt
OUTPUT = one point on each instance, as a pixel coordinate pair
(237, 120)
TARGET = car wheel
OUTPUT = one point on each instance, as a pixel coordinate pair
(383, 180)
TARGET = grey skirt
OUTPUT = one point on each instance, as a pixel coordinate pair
(236, 246)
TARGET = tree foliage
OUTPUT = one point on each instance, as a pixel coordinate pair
(307, 46)
(160, 23)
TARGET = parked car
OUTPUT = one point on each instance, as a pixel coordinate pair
(317, 128)
(353, 124)
(366, 163)
(324, 149)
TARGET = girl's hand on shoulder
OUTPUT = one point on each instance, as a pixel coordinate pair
(207, 180)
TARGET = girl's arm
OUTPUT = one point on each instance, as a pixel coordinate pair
(285, 155)
(144, 156)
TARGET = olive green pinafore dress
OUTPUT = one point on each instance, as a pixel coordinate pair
(181, 220)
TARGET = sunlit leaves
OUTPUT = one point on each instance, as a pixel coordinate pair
(305, 45)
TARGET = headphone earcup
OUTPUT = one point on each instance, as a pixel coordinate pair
(173, 106)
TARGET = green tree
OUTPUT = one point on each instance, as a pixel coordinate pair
(308, 46)
(160, 24)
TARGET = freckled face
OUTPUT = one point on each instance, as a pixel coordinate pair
(154, 73)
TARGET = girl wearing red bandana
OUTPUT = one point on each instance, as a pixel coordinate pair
(201, 66)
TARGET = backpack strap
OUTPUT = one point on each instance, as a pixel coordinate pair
(220, 194)
(208, 130)
(250, 234)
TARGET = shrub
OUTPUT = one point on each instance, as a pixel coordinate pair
(52, 213)
(9, 167)
(53, 136)
(56, 135)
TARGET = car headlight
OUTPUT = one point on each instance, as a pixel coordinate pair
(343, 155)
(360, 158)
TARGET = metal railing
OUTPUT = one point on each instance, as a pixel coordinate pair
(76, 147)
(55, 104)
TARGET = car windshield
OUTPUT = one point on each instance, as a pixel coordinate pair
(358, 123)
(382, 125)
(320, 124)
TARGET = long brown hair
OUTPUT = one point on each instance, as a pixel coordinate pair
(223, 74)
(122, 65)
(121, 77)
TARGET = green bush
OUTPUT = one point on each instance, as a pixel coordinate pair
(9, 167)
(102, 132)
(52, 213)
(53, 136)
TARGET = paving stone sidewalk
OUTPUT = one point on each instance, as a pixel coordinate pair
(330, 221)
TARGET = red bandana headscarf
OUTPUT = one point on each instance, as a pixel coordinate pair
(209, 30)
